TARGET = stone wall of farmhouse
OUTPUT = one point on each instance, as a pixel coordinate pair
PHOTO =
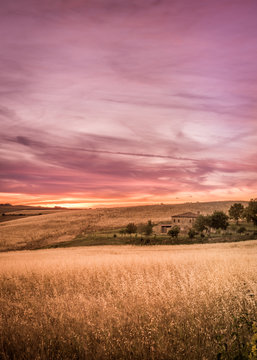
(182, 221)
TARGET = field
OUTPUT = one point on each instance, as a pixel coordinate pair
(13, 212)
(61, 225)
(125, 302)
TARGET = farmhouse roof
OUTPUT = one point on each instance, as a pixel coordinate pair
(186, 215)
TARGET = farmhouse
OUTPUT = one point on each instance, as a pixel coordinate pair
(185, 221)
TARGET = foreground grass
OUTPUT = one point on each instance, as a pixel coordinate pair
(179, 302)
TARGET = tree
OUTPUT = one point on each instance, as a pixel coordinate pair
(236, 211)
(191, 233)
(174, 231)
(251, 211)
(131, 228)
(219, 220)
(201, 223)
(148, 230)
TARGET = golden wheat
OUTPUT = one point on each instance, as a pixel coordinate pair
(162, 302)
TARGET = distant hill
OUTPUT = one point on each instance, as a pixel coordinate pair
(10, 212)
(56, 225)
(4, 208)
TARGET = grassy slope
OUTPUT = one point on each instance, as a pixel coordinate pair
(65, 225)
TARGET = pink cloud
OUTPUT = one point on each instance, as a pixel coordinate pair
(125, 99)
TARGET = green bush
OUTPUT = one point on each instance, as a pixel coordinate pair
(191, 233)
(241, 230)
(131, 228)
(174, 231)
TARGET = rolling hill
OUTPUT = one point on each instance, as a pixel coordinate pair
(38, 231)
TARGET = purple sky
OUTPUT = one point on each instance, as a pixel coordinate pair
(117, 101)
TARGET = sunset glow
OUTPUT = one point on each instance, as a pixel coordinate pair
(115, 102)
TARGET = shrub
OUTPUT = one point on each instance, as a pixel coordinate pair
(131, 228)
(241, 230)
(191, 233)
(174, 231)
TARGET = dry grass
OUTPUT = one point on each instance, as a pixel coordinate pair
(65, 225)
(168, 302)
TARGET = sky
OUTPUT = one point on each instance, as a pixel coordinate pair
(117, 102)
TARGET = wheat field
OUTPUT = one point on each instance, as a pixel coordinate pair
(128, 302)
(65, 225)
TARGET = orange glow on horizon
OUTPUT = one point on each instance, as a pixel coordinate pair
(72, 202)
